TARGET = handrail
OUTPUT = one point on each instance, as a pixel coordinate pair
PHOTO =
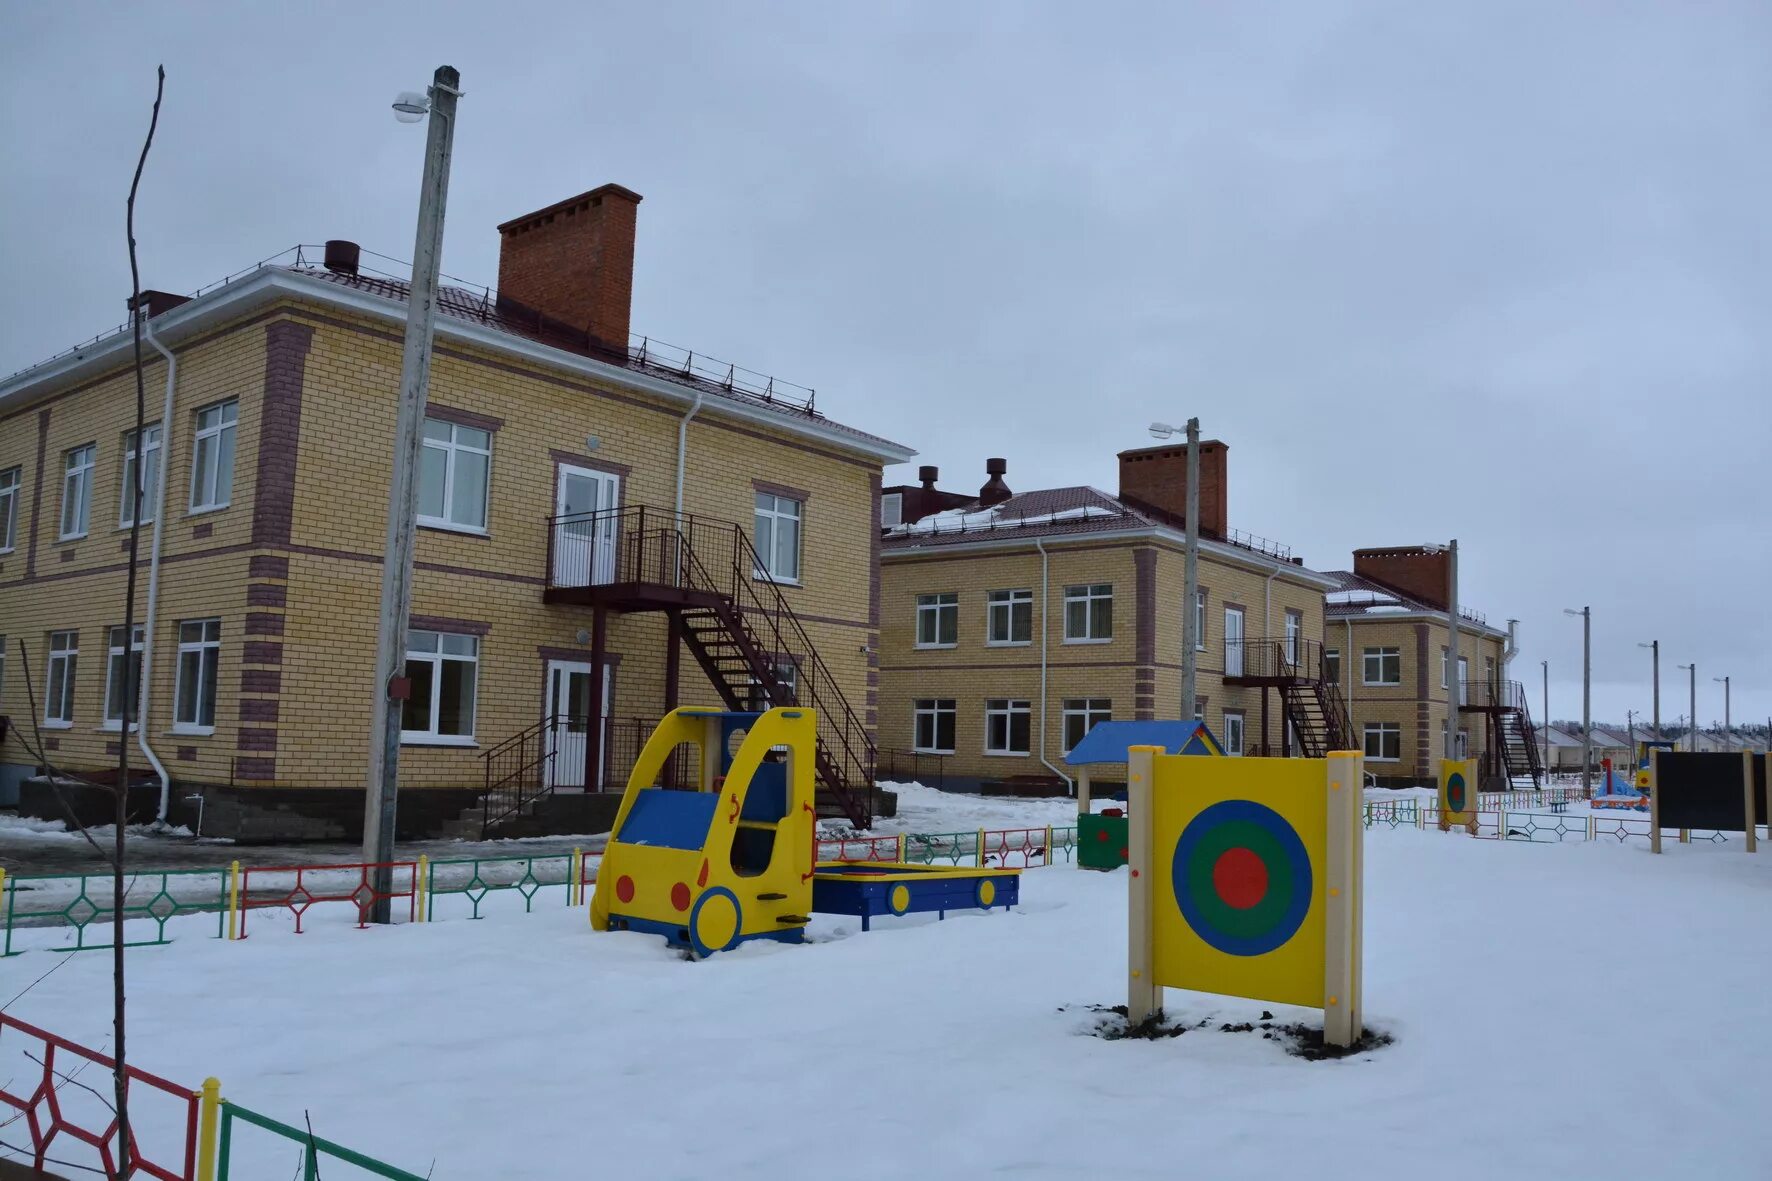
(1277, 656)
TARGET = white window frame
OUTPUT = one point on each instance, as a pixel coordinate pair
(1464, 680)
(453, 448)
(769, 555)
(1332, 654)
(1200, 621)
(206, 647)
(1445, 666)
(114, 656)
(1090, 595)
(934, 709)
(788, 672)
(1005, 602)
(150, 475)
(891, 509)
(64, 661)
(1241, 642)
(10, 482)
(1380, 730)
(207, 494)
(1235, 728)
(1294, 634)
(78, 464)
(1008, 709)
(1092, 710)
(1367, 655)
(437, 657)
(933, 607)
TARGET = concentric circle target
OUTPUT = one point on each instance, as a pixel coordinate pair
(1242, 878)
(1455, 792)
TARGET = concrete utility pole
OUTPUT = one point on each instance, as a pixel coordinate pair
(391, 685)
(1587, 686)
(1728, 727)
(1545, 666)
(1654, 647)
(1190, 640)
(1453, 689)
(1692, 718)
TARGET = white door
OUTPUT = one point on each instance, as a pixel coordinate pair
(1233, 641)
(569, 710)
(584, 536)
(1294, 625)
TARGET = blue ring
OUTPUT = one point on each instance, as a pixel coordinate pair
(702, 949)
(1286, 926)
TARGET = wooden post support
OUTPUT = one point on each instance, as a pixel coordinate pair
(1344, 912)
(1654, 798)
(1143, 995)
(1747, 791)
(1083, 803)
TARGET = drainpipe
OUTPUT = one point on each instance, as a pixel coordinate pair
(166, 433)
(1045, 592)
(682, 447)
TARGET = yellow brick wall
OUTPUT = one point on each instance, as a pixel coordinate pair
(303, 647)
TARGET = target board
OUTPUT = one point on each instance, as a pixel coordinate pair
(1458, 792)
(1249, 879)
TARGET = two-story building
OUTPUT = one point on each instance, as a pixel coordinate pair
(593, 508)
(1012, 623)
(1388, 645)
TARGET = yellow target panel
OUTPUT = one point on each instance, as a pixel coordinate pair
(1458, 791)
(1239, 876)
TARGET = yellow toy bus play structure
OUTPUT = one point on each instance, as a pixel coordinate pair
(730, 861)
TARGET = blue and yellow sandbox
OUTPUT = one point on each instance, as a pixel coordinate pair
(732, 860)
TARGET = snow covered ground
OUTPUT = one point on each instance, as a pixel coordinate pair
(1560, 1011)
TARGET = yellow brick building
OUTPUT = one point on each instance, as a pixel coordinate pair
(593, 509)
(1012, 623)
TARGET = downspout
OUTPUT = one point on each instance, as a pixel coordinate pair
(1045, 591)
(682, 448)
(141, 709)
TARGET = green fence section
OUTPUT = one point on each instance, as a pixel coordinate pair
(489, 875)
(963, 848)
(1064, 844)
(157, 894)
(311, 1149)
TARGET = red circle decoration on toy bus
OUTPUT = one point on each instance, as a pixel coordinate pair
(1242, 878)
(1455, 793)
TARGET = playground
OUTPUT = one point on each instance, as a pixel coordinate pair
(527, 1046)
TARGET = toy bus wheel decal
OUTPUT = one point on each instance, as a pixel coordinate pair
(714, 923)
(1455, 792)
(1242, 878)
(987, 893)
(899, 900)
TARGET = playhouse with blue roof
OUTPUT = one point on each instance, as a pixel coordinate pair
(1101, 837)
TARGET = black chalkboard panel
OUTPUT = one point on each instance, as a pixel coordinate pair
(1698, 789)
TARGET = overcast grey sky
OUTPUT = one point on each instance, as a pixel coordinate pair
(1494, 271)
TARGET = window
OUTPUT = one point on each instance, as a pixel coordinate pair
(454, 472)
(199, 652)
(1009, 617)
(77, 468)
(891, 509)
(778, 537)
(1200, 621)
(1233, 733)
(934, 725)
(1332, 665)
(212, 462)
(1294, 628)
(938, 620)
(1464, 680)
(1381, 666)
(1445, 663)
(1088, 613)
(123, 679)
(1199, 709)
(9, 482)
(1006, 726)
(1233, 641)
(440, 707)
(1383, 742)
(787, 674)
(58, 693)
(149, 460)
(1080, 716)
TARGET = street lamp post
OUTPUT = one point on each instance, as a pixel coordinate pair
(391, 686)
(1190, 585)
(1587, 684)
(1728, 726)
(1692, 718)
(1544, 666)
(1654, 647)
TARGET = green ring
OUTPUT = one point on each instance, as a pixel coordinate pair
(1220, 915)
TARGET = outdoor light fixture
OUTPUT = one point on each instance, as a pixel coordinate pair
(1162, 430)
(410, 106)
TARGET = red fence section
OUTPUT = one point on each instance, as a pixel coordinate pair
(1016, 848)
(45, 1113)
(856, 849)
(295, 888)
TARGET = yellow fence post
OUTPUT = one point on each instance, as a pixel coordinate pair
(208, 1128)
(234, 900)
(980, 857)
(421, 886)
(575, 886)
(899, 856)
(1048, 860)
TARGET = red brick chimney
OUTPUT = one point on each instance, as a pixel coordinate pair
(1156, 477)
(1414, 570)
(574, 262)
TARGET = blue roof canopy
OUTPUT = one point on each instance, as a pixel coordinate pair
(1107, 742)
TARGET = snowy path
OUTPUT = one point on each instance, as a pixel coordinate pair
(528, 1047)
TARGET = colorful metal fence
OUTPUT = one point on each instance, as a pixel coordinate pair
(311, 1149)
(1537, 825)
(309, 885)
(83, 902)
(477, 878)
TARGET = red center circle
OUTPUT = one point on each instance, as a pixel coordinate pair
(624, 888)
(1240, 878)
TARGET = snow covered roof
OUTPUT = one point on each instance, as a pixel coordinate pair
(1360, 597)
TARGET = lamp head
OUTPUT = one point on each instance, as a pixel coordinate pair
(410, 106)
(1162, 430)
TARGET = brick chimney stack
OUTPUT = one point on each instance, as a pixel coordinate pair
(1156, 477)
(1416, 571)
(574, 262)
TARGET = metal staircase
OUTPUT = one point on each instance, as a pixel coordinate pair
(1512, 751)
(1311, 702)
(1318, 716)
